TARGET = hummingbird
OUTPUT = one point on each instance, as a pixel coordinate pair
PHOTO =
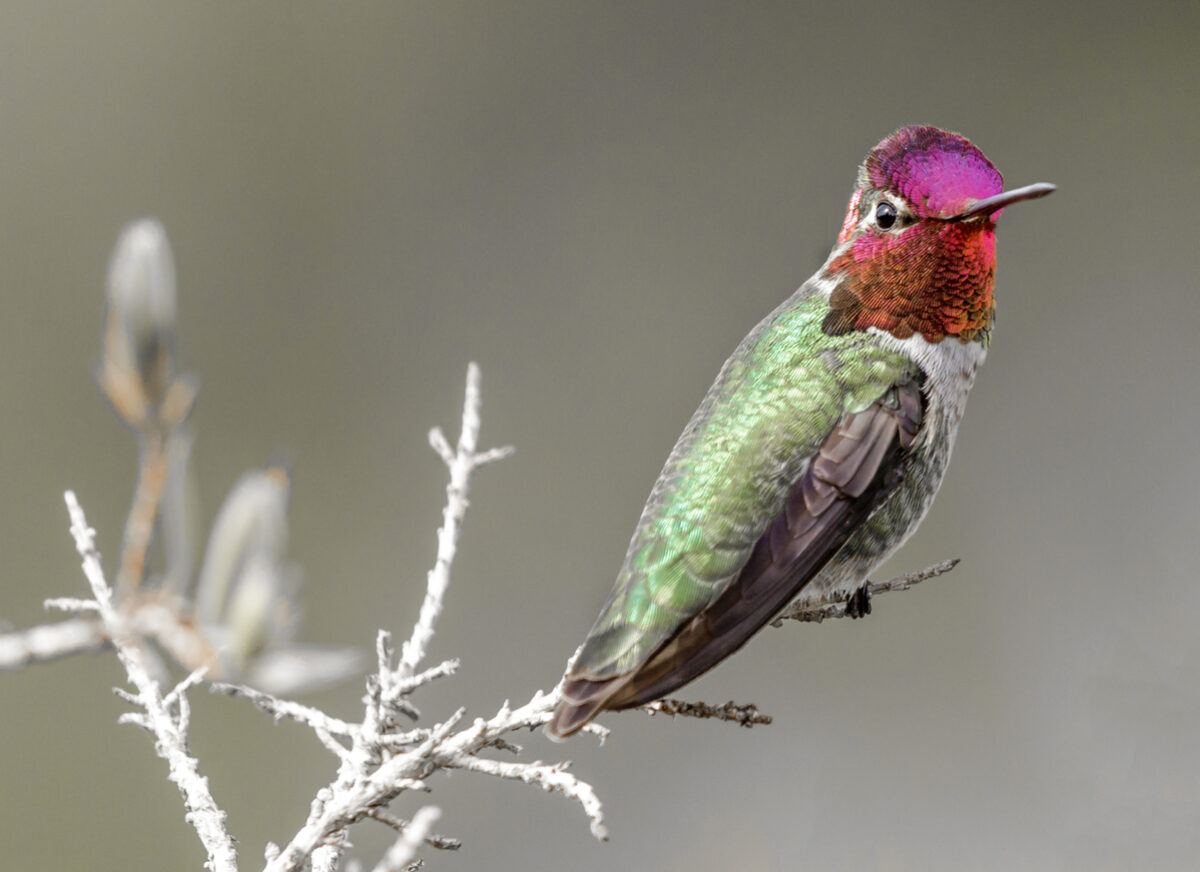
(821, 444)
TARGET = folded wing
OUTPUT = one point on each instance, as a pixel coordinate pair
(856, 467)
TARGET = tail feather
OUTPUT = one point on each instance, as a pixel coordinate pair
(582, 700)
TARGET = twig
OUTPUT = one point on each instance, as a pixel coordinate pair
(405, 848)
(548, 778)
(442, 843)
(381, 762)
(165, 620)
(162, 621)
(376, 769)
(48, 642)
(743, 715)
(71, 604)
(407, 685)
(282, 708)
(153, 465)
(459, 750)
(51, 642)
(461, 462)
(170, 730)
(833, 604)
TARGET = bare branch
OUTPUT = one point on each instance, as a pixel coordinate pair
(407, 685)
(71, 604)
(405, 849)
(743, 715)
(461, 462)
(458, 752)
(163, 620)
(332, 745)
(364, 785)
(51, 642)
(834, 603)
(442, 843)
(547, 777)
(402, 740)
(438, 442)
(483, 458)
(170, 731)
(282, 708)
(153, 465)
(176, 696)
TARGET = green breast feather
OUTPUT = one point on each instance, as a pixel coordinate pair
(773, 403)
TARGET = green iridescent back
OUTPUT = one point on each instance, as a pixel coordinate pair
(773, 403)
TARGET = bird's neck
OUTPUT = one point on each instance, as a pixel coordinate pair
(934, 280)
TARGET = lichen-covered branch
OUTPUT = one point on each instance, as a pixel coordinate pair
(384, 759)
(280, 709)
(461, 462)
(150, 618)
(165, 716)
(406, 846)
(48, 642)
(442, 843)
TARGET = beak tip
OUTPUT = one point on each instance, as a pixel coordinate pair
(994, 204)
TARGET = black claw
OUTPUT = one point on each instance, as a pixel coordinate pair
(859, 604)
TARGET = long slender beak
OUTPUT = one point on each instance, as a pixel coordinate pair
(994, 204)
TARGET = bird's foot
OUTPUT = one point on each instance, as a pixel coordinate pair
(859, 604)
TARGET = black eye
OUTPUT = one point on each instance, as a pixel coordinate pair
(885, 215)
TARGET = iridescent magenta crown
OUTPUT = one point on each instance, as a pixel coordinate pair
(937, 172)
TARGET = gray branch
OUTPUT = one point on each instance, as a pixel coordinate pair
(165, 716)
(48, 642)
(834, 603)
(743, 715)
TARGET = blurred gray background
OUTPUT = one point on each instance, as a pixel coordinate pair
(596, 202)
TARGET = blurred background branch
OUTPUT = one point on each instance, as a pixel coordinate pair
(241, 614)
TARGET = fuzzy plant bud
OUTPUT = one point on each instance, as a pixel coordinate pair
(251, 526)
(261, 608)
(139, 331)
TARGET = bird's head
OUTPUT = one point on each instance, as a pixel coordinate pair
(917, 250)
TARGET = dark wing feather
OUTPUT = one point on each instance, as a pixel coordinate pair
(857, 466)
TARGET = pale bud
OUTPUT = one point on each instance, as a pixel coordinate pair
(260, 610)
(246, 598)
(252, 523)
(291, 670)
(139, 332)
